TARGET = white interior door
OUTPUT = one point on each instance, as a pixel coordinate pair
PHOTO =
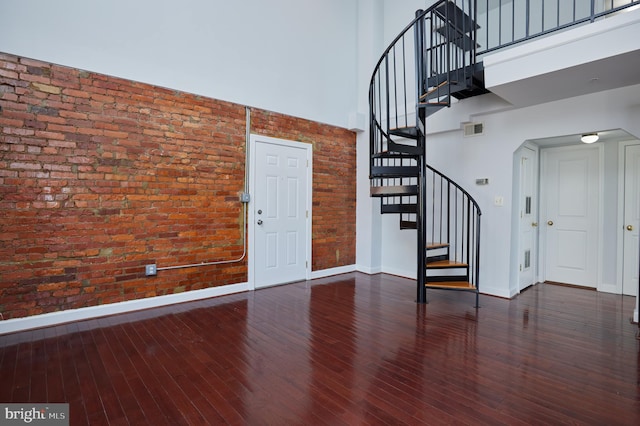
(528, 214)
(631, 219)
(280, 214)
(570, 197)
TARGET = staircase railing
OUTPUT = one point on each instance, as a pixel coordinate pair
(453, 218)
(398, 80)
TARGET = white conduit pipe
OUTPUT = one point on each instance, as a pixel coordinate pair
(244, 207)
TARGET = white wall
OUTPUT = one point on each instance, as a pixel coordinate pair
(296, 57)
(370, 47)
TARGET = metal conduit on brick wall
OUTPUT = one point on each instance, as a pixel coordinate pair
(100, 176)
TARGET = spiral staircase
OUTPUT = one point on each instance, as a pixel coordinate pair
(430, 62)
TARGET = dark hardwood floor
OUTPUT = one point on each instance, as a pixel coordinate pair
(347, 350)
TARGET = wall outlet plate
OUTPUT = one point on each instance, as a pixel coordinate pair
(150, 270)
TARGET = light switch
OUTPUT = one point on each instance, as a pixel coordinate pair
(498, 200)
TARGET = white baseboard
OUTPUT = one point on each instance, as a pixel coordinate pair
(635, 316)
(61, 317)
(496, 291)
(400, 273)
(368, 270)
(609, 288)
(332, 271)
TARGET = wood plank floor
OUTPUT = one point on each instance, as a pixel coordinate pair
(346, 350)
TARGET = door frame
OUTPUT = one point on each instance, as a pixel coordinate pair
(620, 220)
(535, 252)
(542, 241)
(253, 140)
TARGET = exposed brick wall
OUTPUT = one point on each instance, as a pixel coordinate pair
(100, 176)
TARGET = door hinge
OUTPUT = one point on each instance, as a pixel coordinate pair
(520, 267)
(307, 214)
(306, 264)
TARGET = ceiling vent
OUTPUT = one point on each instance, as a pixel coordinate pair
(473, 129)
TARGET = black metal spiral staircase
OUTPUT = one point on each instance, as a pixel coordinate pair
(430, 62)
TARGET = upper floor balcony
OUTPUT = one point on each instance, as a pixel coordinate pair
(572, 48)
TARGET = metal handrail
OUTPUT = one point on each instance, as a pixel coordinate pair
(454, 219)
(515, 21)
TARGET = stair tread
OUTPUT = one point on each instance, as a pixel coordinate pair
(403, 148)
(444, 103)
(394, 190)
(388, 171)
(431, 246)
(443, 264)
(457, 77)
(463, 285)
(394, 154)
(407, 224)
(455, 36)
(457, 17)
(409, 132)
(398, 208)
(433, 90)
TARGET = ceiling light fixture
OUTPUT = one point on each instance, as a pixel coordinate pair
(590, 138)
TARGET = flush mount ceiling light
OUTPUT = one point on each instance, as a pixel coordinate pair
(590, 138)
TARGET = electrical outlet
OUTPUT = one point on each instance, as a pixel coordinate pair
(150, 270)
(498, 200)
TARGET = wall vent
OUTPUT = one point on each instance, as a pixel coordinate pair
(473, 129)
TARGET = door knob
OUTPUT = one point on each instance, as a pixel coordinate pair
(629, 227)
(550, 223)
(534, 224)
(259, 221)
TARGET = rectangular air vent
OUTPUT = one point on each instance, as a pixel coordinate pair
(473, 129)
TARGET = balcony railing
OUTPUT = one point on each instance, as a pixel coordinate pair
(506, 22)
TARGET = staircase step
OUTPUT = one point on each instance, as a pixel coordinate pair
(405, 149)
(459, 285)
(394, 155)
(431, 107)
(405, 132)
(441, 103)
(475, 88)
(457, 37)
(444, 87)
(399, 208)
(391, 171)
(458, 78)
(408, 224)
(434, 91)
(392, 191)
(436, 258)
(434, 246)
(456, 17)
(446, 264)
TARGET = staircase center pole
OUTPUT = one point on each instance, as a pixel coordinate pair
(421, 289)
